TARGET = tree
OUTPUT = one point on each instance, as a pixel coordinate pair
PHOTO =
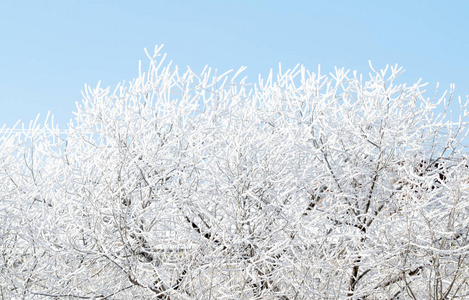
(185, 186)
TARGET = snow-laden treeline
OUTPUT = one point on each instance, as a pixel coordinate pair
(186, 186)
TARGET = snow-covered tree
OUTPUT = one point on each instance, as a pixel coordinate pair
(186, 186)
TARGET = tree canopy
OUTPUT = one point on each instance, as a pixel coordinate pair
(185, 186)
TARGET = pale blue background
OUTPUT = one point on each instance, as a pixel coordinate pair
(50, 49)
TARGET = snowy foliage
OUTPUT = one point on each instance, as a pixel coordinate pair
(186, 186)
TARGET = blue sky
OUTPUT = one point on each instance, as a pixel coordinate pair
(50, 49)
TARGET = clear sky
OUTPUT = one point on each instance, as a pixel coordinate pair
(50, 49)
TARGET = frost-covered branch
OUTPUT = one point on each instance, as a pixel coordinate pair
(179, 185)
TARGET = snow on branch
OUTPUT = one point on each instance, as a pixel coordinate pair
(179, 185)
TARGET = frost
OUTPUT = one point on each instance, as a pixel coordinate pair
(186, 186)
